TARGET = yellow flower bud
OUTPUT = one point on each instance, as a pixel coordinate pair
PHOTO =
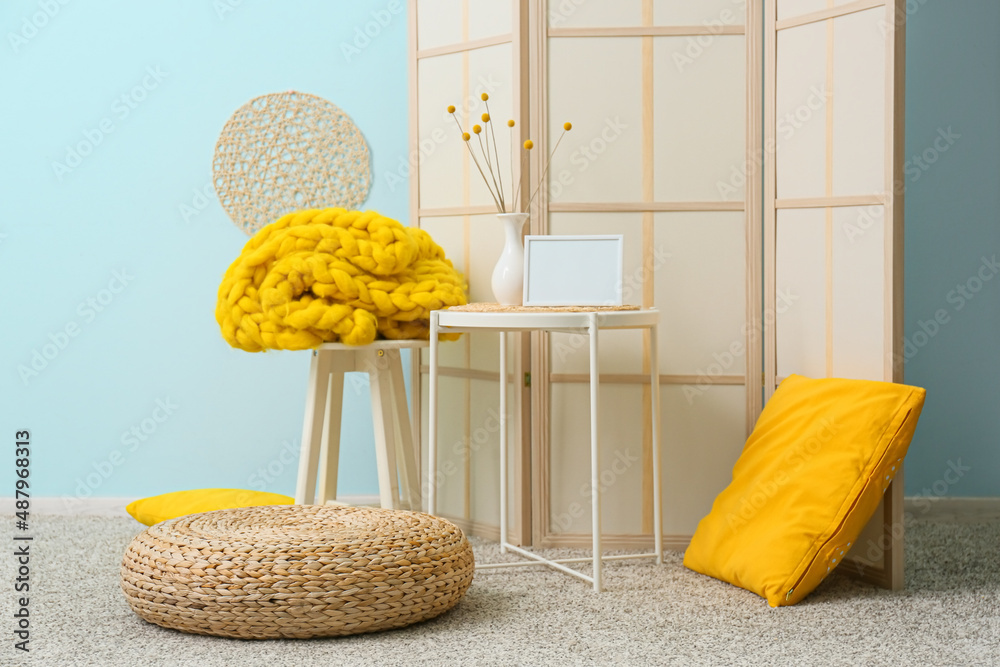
(567, 126)
(451, 108)
(477, 129)
(510, 123)
(486, 118)
(529, 144)
(465, 136)
(485, 97)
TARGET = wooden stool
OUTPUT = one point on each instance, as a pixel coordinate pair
(395, 454)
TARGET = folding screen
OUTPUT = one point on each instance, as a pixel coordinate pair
(657, 95)
(460, 50)
(666, 99)
(833, 211)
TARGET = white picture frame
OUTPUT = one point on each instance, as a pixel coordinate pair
(584, 270)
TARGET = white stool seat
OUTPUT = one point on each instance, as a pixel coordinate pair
(395, 454)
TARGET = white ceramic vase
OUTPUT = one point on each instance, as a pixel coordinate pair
(508, 275)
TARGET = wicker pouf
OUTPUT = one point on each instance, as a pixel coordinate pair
(296, 571)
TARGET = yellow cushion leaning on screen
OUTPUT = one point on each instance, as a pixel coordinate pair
(181, 503)
(810, 477)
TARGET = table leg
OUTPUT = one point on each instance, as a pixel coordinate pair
(654, 379)
(432, 426)
(595, 463)
(503, 442)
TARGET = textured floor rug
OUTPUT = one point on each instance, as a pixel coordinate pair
(949, 614)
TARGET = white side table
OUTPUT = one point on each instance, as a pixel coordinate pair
(395, 454)
(591, 323)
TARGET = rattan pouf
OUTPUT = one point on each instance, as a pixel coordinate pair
(296, 571)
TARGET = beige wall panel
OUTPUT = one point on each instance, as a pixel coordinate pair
(699, 106)
(620, 351)
(595, 83)
(703, 435)
(448, 232)
(439, 22)
(490, 71)
(594, 13)
(452, 420)
(800, 106)
(858, 292)
(869, 547)
(712, 13)
(486, 239)
(699, 286)
(790, 8)
(859, 103)
(488, 18)
(440, 84)
(484, 443)
(800, 317)
(621, 458)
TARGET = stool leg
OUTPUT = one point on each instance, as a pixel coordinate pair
(329, 459)
(385, 441)
(406, 452)
(312, 429)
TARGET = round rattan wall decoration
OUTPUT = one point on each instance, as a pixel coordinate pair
(286, 152)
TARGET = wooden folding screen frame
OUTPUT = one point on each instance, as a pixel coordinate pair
(529, 36)
(543, 378)
(888, 522)
(521, 517)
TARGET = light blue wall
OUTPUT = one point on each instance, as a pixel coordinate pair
(952, 224)
(64, 238)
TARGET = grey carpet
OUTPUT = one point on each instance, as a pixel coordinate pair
(949, 614)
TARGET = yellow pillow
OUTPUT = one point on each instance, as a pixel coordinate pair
(181, 503)
(810, 477)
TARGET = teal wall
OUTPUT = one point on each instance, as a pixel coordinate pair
(147, 352)
(952, 244)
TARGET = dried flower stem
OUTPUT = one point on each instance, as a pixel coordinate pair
(545, 171)
(496, 152)
(489, 166)
(462, 132)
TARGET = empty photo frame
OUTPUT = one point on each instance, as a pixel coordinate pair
(573, 270)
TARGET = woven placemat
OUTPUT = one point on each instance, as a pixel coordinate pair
(499, 308)
(287, 152)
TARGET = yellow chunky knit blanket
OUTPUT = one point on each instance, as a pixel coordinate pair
(332, 275)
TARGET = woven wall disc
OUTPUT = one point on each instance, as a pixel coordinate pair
(287, 152)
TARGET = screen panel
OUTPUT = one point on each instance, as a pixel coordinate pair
(800, 318)
(841, 171)
(460, 49)
(859, 112)
(703, 435)
(700, 288)
(621, 457)
(685, 216)
(858, 336)
(709, 13)
(595, 83)
(801, 103)
(700, 111)
(619, 352)
(439, 23)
